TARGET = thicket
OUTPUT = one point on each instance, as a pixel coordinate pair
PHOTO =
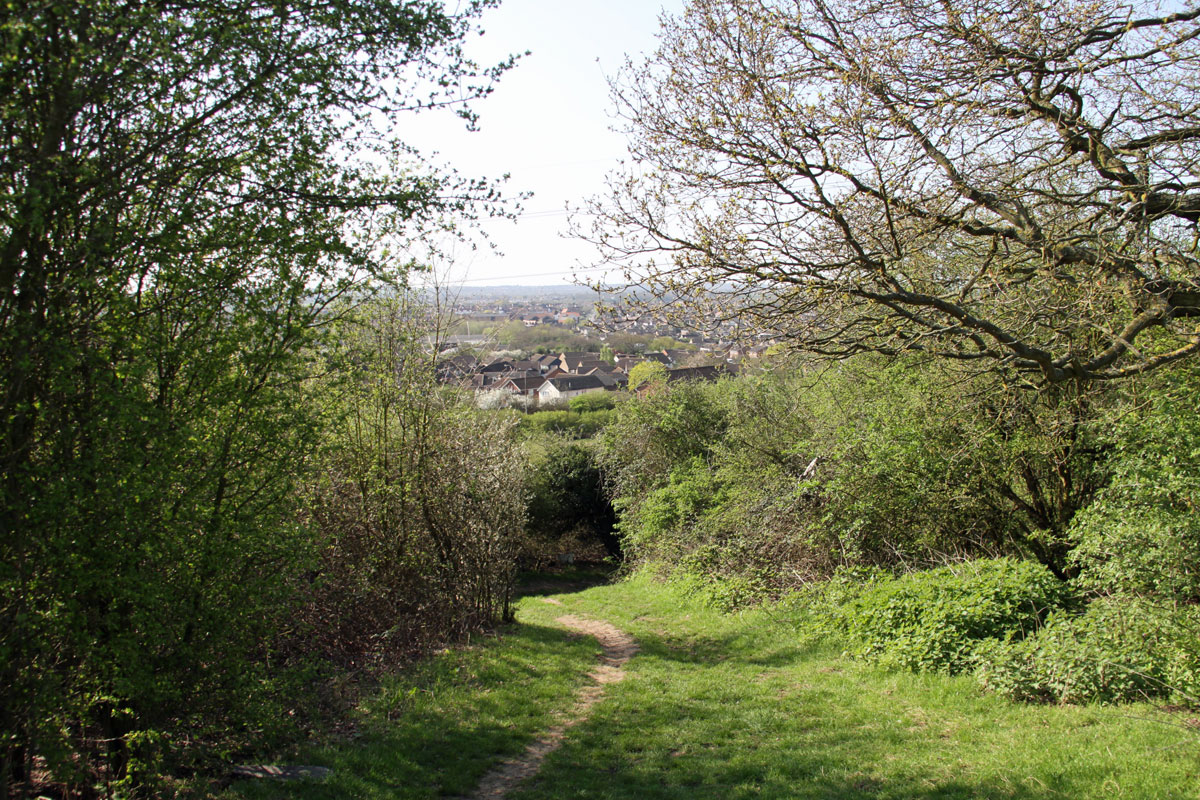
(415, 502)
(187, 193)
(221, 577)
(975, 508)
(568, 509)
(785, 475)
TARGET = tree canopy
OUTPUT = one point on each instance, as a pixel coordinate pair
(185, 187)
(1002, 183)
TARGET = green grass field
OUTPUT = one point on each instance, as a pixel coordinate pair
(733, 706)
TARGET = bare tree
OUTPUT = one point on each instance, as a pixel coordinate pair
(1007, 182)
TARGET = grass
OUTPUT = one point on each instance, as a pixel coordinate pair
(437, 728)
(736, 706)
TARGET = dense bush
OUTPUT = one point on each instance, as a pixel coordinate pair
(1119, 649)
(649, 437)
(935, 620)
(864, 463)
(594, 401)
(188, 187)
(566, 499)
(418, 508)
(572, 423)
(1142, 534)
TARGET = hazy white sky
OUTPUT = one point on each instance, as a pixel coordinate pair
(547, 124)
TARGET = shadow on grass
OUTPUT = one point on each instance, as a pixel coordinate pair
(803, 781)
(696, 727)
(566, 580)
(445, 723)
(731, 648)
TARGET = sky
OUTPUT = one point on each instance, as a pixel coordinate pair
(548, 125)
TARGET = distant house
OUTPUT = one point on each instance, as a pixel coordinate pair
(611, 380)
(571, 361)
(676, 356)
(626, 363)
(708, 373)
(497, 367)
(547, 361)
(586, 366)
(525, 386)
(565, 387)
(454, 369)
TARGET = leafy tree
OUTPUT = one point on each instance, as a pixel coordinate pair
(996, 182)
(184, 188)
(667, 343)
(647, 372)
(567, 495)
(418, 507)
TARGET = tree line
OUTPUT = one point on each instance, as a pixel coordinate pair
(224, 472)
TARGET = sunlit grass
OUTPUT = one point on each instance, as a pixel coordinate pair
(743, 706)
(436, 729)
(735, 706)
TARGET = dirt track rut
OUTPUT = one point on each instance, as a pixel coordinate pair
(618, 648)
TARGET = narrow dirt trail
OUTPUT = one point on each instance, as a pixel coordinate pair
(618, 648)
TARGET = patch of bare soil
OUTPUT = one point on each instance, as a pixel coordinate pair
(618, 648)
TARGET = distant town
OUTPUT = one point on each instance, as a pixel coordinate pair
(540, 346)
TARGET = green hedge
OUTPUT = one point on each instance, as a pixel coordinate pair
(934, 621)
(1120, 649)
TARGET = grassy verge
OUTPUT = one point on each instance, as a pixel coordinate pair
(741, 706)
(436, 729)
(738, 706)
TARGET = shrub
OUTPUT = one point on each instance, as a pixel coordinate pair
(564, 493)
(660, 527)
(419, 507)
(571, 423)
(1119, 649)
(1142, 534)
(933, 621)
(593, 401)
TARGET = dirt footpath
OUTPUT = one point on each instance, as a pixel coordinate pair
(618, 647)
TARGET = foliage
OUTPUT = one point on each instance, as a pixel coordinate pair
(418, 508)
(1142, 534)
(650, 373)
(576, 424)
(550, 338)
(663, 525)
(934, 620)
(1120, 649)
(566, 496)
(183, 192)
(653, 435)
(920, 460)
(864, 463)
(991, 182)
(593, 401)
